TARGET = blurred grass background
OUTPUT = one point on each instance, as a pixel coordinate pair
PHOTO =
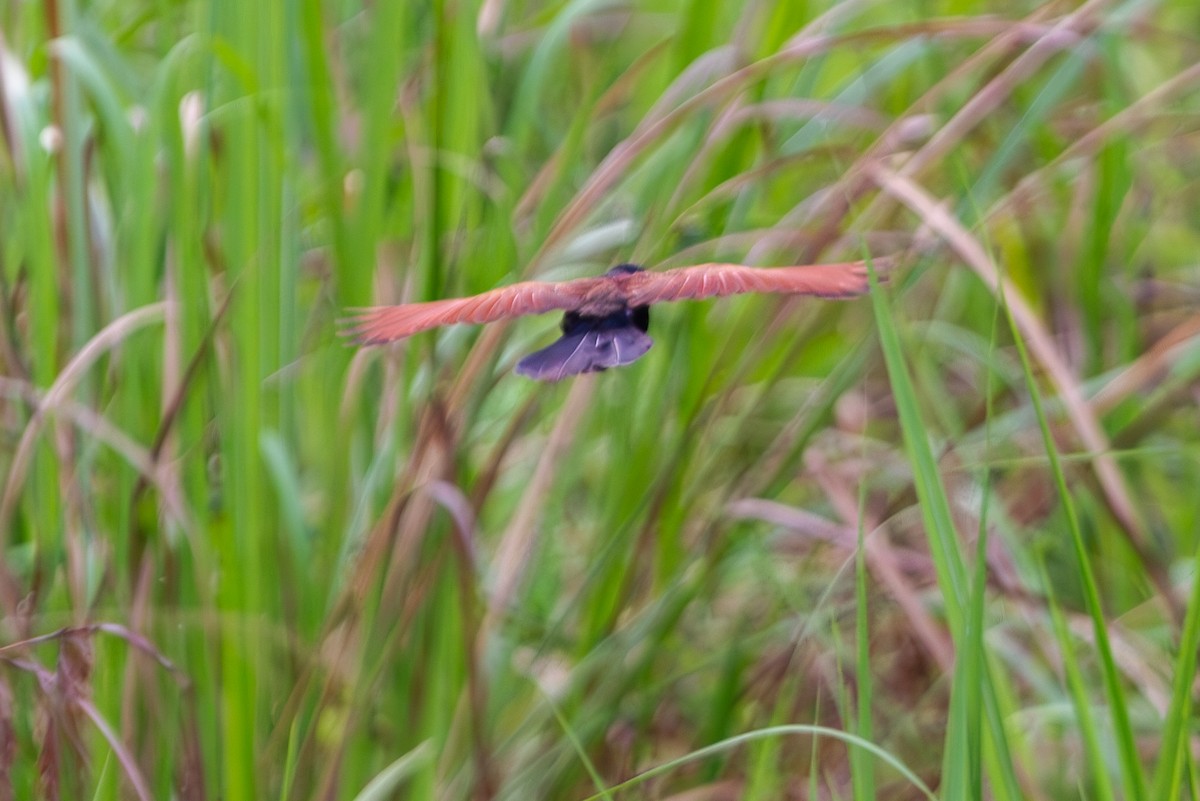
(936, 542)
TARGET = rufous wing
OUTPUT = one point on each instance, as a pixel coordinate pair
(380, 324)
(717, 280)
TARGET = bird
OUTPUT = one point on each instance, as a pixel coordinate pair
(607, 317)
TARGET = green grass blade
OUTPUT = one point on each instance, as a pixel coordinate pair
(862, 769)
(931, 495)
(1132, 778)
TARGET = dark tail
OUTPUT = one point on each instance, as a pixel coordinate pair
(587, 351)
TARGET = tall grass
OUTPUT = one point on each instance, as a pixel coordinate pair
(939, 541)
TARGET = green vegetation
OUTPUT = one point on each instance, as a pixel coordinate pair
(936, 542)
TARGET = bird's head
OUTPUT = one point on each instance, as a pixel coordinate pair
(624, 269)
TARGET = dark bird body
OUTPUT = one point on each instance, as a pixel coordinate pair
(607, 317)
(593, 342)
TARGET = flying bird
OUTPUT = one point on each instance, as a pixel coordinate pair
(607, 317)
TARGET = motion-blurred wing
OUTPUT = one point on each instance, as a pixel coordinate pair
(386, 323)
(717, 280)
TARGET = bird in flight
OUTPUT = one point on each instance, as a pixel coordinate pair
(606, 318)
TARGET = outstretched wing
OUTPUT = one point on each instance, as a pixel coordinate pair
(717, 280)
(385, 323)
